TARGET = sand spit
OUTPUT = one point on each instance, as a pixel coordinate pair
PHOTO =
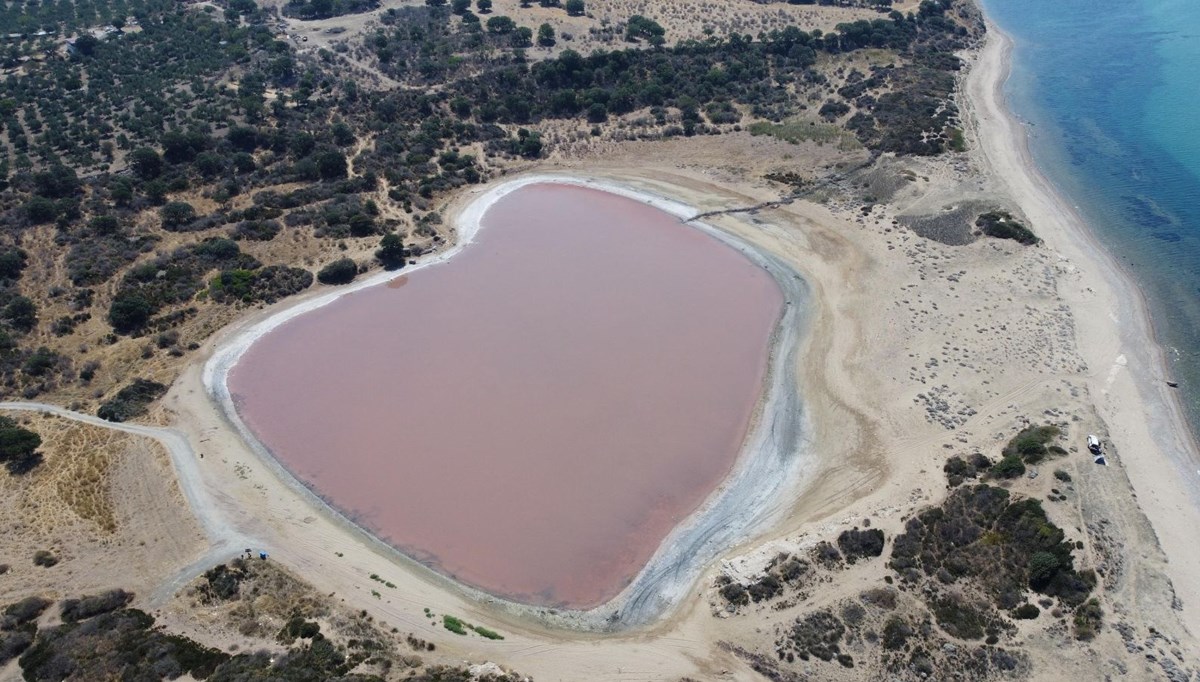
(759, 490)
(1115, 337)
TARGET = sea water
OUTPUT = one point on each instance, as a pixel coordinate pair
(1110, 94)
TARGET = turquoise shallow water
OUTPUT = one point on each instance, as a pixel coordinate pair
(1111, 94)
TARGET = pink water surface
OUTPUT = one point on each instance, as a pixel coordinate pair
(534, 416)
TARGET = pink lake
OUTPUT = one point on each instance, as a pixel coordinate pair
(535, 415)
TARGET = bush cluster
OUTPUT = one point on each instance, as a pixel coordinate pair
(1002, 225)
(861, 544)
(18, 447)
(1006, 545)
(959, 469)
(131, 401)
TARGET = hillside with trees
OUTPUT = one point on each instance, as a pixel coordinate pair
(151, 186)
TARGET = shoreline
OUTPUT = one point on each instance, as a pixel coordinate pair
(750, 496)
(1115, 334)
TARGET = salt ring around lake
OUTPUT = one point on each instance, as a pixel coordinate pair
(755, 486)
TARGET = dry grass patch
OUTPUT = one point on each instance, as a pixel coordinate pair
(76, 478)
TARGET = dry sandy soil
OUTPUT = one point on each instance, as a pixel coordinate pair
(104, 503)
(917, 350)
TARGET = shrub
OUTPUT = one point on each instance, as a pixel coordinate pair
(1002, 225)
(1030, 443)
(256, 230)
(959, 469)
(267, 285)
(391, 253)
(121, 645)
(960, 618)
(766, 587)
(224, 582)
(735, 594)
(74, 610)
(130, 311)
(131, 401)
(12, 262)
(896, 632)
(23, 611)
(14, 642)
(21, 313)
(1026, 612)
(177, 215)
(1062, 475)
(826, 554)
(341, 271)
(1087, 619)
(1009, 467)
(44, 558)
(831, 110)
(880, 597)
(454, 625)
(297, 627)
(818, 634)
(1042, 568)
(486, 633)
(1005, 545)
(858, 544)
(18, 447)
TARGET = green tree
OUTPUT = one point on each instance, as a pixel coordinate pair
(501, 25)
(18, 446)
(638, 27)
(391, 253)
(21, 314)
(104, 225)
(545, 35)
(341, 271)
(331, 163)
(40, 210)
(343, 135)
(121, 192)
(85, 44)
(576, 8)
(177, 214)
(529, 144)
(460, 6)
(361, 225)
(146, 163)
(129, 312)
(597, 113)
(12, 262)
(1042, 568)
(484, 6)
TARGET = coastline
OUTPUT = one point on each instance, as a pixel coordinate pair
(1126, 363)
(758, 489)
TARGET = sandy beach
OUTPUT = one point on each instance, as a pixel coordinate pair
(897, 352)
(1127, 366)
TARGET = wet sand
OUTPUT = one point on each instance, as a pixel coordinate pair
(534, 417)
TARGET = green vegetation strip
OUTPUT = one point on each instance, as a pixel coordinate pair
(797, 131)
(460, 627)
